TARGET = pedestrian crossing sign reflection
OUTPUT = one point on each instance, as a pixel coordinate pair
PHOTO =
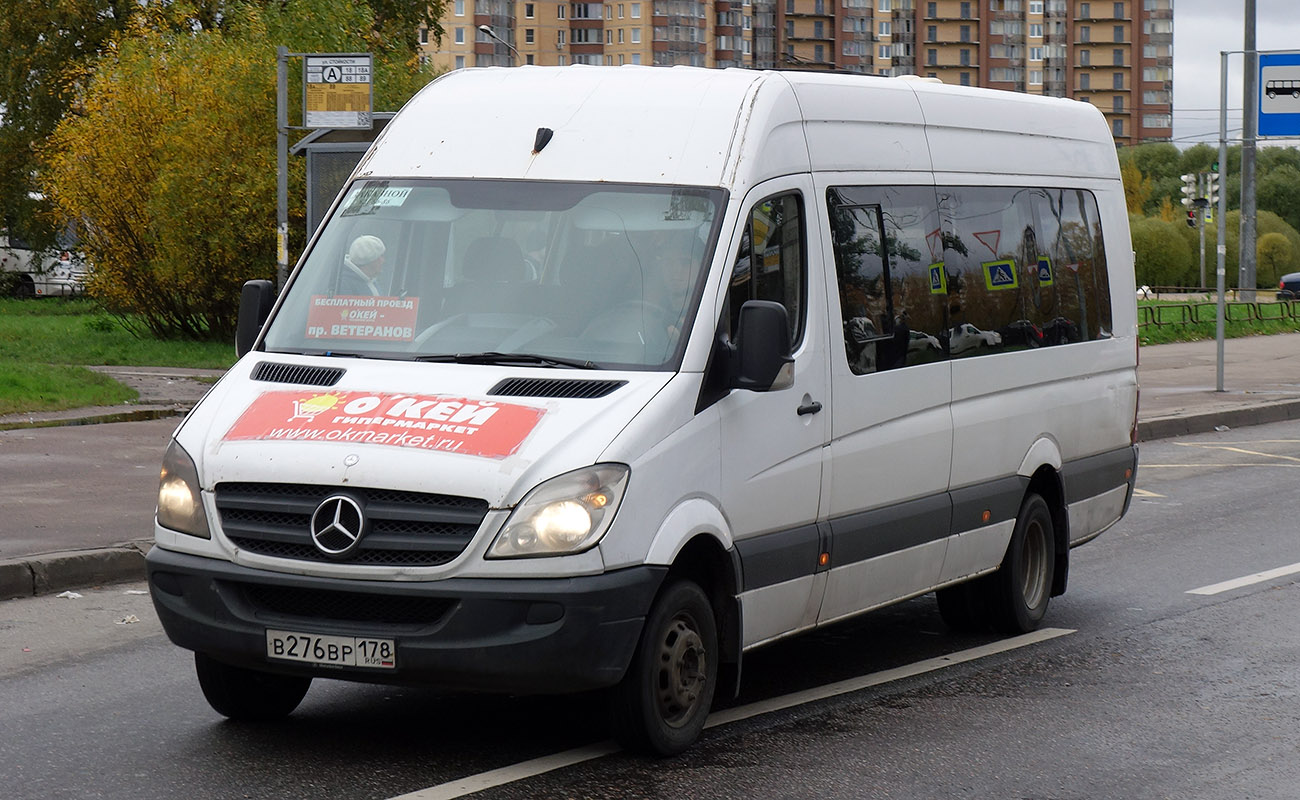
(938, 279)
(999, 275)
(1045, 275)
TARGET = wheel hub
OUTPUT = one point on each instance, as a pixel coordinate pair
(682, 667)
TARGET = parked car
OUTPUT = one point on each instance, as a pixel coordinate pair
(921, 342)
(1060, 331)
(1021, 332)
(966, 336)
(1288, 288)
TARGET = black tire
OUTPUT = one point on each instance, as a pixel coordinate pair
(962, 607)
(25, 290)
(663, 701)
(1019, 592)
(245, 694)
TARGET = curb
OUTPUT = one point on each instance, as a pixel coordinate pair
(135, 415)
(56, 572)
(1169, 427)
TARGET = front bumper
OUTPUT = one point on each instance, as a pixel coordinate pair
(528, 636)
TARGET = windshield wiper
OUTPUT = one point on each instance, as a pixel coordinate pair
(531, 359)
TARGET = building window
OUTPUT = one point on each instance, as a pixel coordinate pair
(528, 10)
(1085, 11)
(789, 6)
(460, 36)
(620, 10)
(620, 36)
(528, 59)
(459, 8)
(1117, 128)
(1117, 57)
(559, 37)
(819, 6)
(1085, 80)
(932, 33)
(424, 36)
(819, 29)
(789, 29)
(819, 53)
(1036, 30)
(636, 39)
(964, 79)
(931, 57)
(1119, 11)
(559, 11)
(1117, 80)
(1117, 105)
(884, 51)
(885, 28)
(1035, 54)
(1157, 121)
(964, 34)
(885, 5)
(636, 58)
(460, 62)
(965, 57)
(528, 36)
(965, 10)
(1035, 77)
(1119, 34)
(1085, 33)
(1085, 58)
(636, 14)
(931, 10)
(1155, 97)
(1035, 6)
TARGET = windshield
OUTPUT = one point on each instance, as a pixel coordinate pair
(551, 274)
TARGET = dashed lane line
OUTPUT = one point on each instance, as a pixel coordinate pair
(1248, 580)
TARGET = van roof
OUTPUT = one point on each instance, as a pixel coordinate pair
(729, 128)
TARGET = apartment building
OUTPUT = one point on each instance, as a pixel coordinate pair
(1116, 54)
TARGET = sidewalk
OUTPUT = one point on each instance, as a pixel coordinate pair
(1261, 382)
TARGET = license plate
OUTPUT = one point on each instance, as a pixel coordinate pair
(337, 651)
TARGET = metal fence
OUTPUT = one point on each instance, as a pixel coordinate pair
(1193, 313)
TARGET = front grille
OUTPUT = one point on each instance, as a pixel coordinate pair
(294, 373)
(569, 388)
(406, 529)
(288, 602)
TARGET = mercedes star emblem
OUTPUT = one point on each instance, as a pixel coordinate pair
(337, 525)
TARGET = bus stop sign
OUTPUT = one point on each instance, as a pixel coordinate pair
(1279, 94)
(337, 90)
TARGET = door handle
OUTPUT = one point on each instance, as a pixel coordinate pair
(810, 407)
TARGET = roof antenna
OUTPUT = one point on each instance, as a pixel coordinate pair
(543, 138)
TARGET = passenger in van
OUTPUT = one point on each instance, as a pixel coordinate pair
(362, 264)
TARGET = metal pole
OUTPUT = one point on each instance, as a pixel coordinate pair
(1221, 248)
(1249, 130)
(1200, 220)
(281, 166)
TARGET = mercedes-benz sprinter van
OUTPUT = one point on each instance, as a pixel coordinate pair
(601, 377)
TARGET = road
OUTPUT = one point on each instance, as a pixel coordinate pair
(1143, 690)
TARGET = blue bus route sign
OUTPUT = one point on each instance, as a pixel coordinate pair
(1279, 94)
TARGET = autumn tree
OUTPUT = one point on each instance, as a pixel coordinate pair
(169, 162)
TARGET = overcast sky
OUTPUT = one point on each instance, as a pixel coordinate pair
(1203, 28)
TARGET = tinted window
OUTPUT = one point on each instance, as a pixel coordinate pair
(770, 262)
(1025, 268)
(888, 253)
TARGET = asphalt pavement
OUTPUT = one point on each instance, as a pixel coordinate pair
(65, 523)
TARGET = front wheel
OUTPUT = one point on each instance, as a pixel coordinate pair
(664, 699)
(245, 694)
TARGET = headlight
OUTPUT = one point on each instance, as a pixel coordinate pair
(179, 505)
(567, 514)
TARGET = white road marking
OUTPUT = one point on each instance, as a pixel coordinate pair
(1145, 493)
(1249, 580)
(540, 766)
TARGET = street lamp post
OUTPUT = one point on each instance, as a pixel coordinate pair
(487, 31)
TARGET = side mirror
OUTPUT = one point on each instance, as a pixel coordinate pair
(761, 359)
(255, 303)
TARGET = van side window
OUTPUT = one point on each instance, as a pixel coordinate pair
(1025, 268)
(770, 264)
(888, 249)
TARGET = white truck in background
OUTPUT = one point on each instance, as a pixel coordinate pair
(58, 272)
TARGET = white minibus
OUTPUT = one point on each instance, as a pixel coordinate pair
(599, 378)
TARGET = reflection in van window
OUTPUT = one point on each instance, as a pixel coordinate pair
(770, 263)
(590, 274)
(1025, 266)
(888, 263)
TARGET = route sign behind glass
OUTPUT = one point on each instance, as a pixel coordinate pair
(337, 90)
(1279, 94)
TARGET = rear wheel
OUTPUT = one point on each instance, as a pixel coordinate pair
(1018, 593)
(25, 289)
(662, 703)
(246, 694)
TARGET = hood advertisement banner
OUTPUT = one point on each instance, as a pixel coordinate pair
(428, 422)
